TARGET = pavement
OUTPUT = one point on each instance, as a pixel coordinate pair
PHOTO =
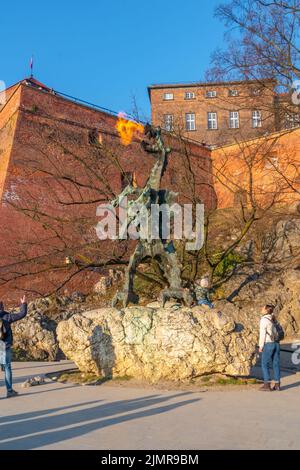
(66, 416)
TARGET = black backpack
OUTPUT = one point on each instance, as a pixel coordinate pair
(2, 330)
(279, 331)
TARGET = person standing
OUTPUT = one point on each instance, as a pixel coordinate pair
(269, 346)
(6, 336)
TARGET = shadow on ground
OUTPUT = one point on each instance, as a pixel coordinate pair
(38, 429)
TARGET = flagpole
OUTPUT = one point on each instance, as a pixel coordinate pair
(31, 67)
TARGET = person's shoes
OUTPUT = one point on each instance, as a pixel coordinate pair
(11, 394)
(277, 387)
(266, 387)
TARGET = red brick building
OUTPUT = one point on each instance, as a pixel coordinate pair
(222, 112)
(59, 159)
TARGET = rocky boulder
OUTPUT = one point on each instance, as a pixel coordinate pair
(153, 343)
(35, 336)
(284, 293)
(281, 288)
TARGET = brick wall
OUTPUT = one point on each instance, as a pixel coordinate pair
(265, 169)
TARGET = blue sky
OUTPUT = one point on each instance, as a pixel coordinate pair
(107, 52)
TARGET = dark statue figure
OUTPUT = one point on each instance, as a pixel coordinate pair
(161, 250)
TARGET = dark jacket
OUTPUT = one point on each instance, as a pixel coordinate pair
(8, 319)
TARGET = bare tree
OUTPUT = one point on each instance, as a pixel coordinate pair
(263, 40)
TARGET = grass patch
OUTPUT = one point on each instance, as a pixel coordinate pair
(206, 379)
(82, 378)
(75, 377)
(122, 378)
(235, 381)
(212, 380)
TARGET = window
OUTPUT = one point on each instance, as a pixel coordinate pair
(168, 122)
(234, 120)
(292, 120)
(256, 91)
(95, 138)
(212, 121)
(233, 93)
(189, 95)
(190, 122)
(211, 94)
(256, 119)
(168, 96)
(128, 177)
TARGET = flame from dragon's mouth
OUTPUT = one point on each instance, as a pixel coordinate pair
(127, 129)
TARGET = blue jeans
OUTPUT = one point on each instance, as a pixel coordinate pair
(205, 302)
(7, 370)
(271, 356)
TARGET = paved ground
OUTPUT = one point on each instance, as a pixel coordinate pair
(57, 416)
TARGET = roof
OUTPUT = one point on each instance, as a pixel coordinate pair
(35, 83)
(209, 84)
(30, 81)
